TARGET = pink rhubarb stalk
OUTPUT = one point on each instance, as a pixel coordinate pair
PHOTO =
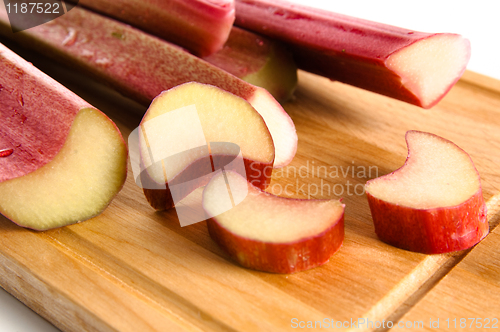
(201, 26)
(251, 57)
(415, 67)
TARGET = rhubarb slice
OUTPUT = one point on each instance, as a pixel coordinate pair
(434, 203)
(201, 26)
(66, 159)
(269, 233)
(259, 61)
(415, 67)
(180, 135)
(142, 66)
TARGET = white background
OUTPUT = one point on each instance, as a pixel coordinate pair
(478, 21)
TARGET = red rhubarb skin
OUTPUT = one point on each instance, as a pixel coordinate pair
(291, 257)
(36, 114)
(431, 231)
(201, 26)
(340, 47)
(138, 65)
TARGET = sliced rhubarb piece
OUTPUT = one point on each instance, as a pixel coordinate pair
(269, 233)
(415, 67)
(185, 125)
(201, 26)
(66, 159)
(434, 203)
(142, 66)
(259, 61)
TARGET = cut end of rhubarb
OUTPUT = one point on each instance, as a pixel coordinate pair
(436, 174)
(259, 61)
(278, 75)
(77, 184)
(430, 67)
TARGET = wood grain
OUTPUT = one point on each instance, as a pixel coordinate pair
(133, 269)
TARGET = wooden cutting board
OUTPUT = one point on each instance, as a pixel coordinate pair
(134, 269)
(468, 297)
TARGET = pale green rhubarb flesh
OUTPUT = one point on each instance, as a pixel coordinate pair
(415, 67)
(141, 66)
(201, 26)
(67, 160)
(259, 61)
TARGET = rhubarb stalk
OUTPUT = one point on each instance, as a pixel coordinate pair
(201, 26)
(253, 58)
(142, 66)
(415, 67)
